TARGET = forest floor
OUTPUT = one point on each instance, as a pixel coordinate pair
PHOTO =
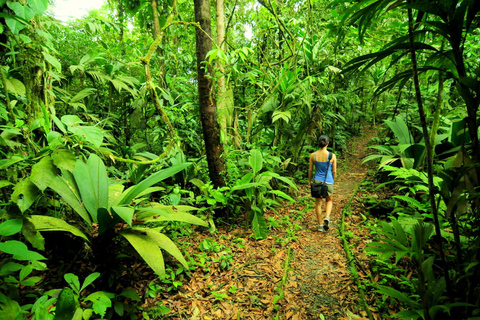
(296, 273)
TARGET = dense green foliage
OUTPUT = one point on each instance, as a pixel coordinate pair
(101, 136)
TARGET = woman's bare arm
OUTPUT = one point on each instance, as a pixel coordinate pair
(310, 169)
(334, 167)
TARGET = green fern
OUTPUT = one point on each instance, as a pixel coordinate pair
(414, 203)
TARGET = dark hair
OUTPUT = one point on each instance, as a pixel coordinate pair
(323, 141)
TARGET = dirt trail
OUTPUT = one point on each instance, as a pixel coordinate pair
(296, 273)
(327, 287)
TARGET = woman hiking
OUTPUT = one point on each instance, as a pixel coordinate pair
(324, 171)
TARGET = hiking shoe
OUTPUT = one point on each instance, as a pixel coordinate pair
(320, 228)
(325, 223)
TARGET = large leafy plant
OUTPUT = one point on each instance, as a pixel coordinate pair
(104, 210)
(410, 154)
(16, 269)
(410, 241)
(257, 185)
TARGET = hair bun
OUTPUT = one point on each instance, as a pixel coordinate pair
(323, 140)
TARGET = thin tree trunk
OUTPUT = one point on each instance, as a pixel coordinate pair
(221, 87)
(431, 186)
(11, 116)
(156, 35)
(121, 19)
(208, 109)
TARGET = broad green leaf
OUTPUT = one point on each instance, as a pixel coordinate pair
(198, 183)
(246, 186)
(30, 282)
(99, 176)
(22, 11)
(10, 227)
(259, 226)
(119, 309)
(32, 235)
(16, 87)
(46, 223)
(125, 213)
(66, 304)
(79, 314)
(245, 179)
(5, 163)
(10, 309)
(119, 85)
(20, 251)
(82, 94)
(114, 193)
(385, 149)
(53, 61)
(25, 38)
(400, 235)
(59, 123)
(148, 250)
(38, 6)
(101, 301)
(10, 267)
(85, 185)
(410, 314)
(64, 159)
(283, 179)
(255, 160)
(89, 279)
(87, 314)
(73, 281)
(66, 188)
(165, 243)
(54, 139)
(15, 25)
(25, 272)
(92, 182)
(282, 194)
(156, 214)
(284, 115)
(90, 134)
(24, 195)
(77, 105)
(149, 190)
(373, 157)
(263, 180)
(43, 173)
(398, 296)
(130, 294)
(40, 309)
(400, 129)
(132, 193)
(71, 120)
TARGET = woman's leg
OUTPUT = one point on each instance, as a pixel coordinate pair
(328, 211)
(328, 206)
(318, 210)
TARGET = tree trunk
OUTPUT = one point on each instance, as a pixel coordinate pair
(121, 20)
(429, 157)
(208, 109)
(156, 35)
(221, 87)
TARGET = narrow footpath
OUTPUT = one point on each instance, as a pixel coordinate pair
(296, 273)
(327, 288)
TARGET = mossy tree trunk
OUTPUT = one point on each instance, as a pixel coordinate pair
(208, 108)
